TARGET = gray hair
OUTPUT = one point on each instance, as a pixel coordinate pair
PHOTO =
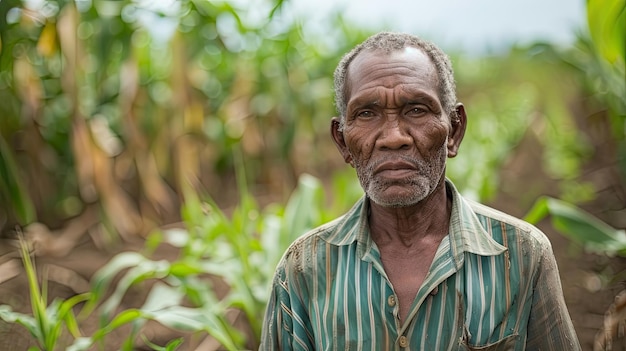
(389, 42)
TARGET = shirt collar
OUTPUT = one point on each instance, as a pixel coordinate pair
(466, 233)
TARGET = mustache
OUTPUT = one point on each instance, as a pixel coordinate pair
(417, 163)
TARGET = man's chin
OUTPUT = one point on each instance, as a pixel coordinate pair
(395, 199)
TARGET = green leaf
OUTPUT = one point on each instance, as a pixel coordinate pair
(607, 23)
(162, 296)
(171, 346)
(81, 344)
(119, 320)
(181, 269)
(38, 303)
(12, 186)
(8, 315)
(180, 318)
(154, 239)
(102, 279)
(270, 240)
(146, 269)
(124, 317)
(55, 323)
(66, 314)
(196, 319)
(538, 212)
(28, 322)
(578, 225)
(301, 210)
(176, 237)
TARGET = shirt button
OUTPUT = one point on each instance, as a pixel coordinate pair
(391, 300)
(403, 341)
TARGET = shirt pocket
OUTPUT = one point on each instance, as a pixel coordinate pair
(506, 344)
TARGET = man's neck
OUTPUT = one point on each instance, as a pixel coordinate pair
(407, 227)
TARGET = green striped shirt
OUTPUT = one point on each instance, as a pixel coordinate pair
(493, 285)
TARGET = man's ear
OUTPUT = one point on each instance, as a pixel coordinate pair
(337, 135)
(458, 123)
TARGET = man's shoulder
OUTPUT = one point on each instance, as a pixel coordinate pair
(308, 241)
(513, 226)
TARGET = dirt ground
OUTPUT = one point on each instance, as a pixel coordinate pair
(590, 281)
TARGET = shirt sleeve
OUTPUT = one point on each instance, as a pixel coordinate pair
(285, 326)
(550, 327)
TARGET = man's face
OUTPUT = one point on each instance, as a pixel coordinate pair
(395, 132)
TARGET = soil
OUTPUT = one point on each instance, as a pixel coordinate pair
(590, 281)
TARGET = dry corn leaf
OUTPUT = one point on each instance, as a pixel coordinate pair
(187, 150)
(115, 201)
(28, 86)
(67, 29)
(158, 193)
(83, 160)
(46, 45)
(129, 84)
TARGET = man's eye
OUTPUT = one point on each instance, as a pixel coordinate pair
(417, 111)
(365, 114)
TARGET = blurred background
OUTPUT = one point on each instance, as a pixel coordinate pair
(157, 157)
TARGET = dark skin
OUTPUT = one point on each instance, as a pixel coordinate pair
(397, 135)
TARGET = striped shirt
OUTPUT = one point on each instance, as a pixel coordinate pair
(493, 285)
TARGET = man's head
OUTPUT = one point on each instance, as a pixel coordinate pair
(387, 42)
(397, 128)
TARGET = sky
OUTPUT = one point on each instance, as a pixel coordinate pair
(468, 26)
(473, 26)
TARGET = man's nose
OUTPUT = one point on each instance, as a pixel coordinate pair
(394, 135)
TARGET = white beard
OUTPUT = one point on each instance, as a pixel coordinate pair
(416, 187)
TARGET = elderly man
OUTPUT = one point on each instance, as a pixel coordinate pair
(413, 265)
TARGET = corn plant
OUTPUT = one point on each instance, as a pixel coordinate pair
(47, 322)
(245, 248)
(164, 303)
(241, 249)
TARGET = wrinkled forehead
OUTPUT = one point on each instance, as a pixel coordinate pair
(408, 61)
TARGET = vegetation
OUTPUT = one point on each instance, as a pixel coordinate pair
(120, 117)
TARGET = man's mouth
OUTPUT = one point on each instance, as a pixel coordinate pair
(395, 169)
